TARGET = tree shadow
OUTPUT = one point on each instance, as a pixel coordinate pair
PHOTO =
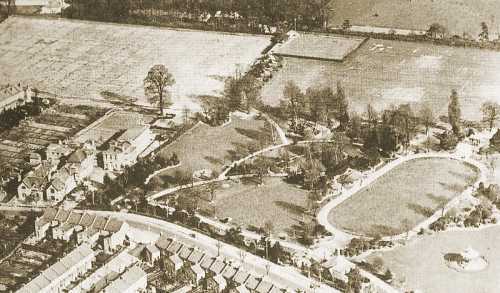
(438, 199)
(290, 207)
(453, 187)
(421, 210)
(382, 230)
(213, 160)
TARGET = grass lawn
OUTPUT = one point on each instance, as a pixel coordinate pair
(384, 72)
(458, 16)
(83, 58)
(206, 147)
(410, 192)
(249, 204)
(432, 275)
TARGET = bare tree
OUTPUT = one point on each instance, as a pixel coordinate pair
(491, 113)
(156, 85)
(426, 117)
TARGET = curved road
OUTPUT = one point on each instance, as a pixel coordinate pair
(342, 235)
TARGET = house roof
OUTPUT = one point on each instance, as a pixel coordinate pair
(217, 266)
(207, 262)
(114, 225)
(62, 215)
(87, 220)
(229, 272)
(196, 256)
(60, 148)
(163, 242)
(339, 264)
(129, 278)
(100, 223)
(252, 282)
(132, 133)
(152, 249)
(75, 218)
(34, 182)
(241, 276)
(185, 252)
(264, 287)
(174, 247)
(77, 156)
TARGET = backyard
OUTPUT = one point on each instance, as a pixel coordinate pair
(458, 16)
(433, 275)
(384, 72)
(403, 197)
(84, 59)
(249, 204)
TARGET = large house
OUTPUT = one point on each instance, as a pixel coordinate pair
(35, 182)
(12, 96)
(124, 150)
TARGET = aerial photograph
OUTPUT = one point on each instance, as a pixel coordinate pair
(250, 146)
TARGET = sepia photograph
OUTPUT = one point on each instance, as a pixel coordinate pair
(250, 146)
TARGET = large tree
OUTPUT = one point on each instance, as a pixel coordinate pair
(156, 86)
(294, 101)
(454, 112)
(491, 113)
(426, 116)
(342, 106)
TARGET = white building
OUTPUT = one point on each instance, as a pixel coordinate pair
(132, 281)
(124, 150)
(57, 277)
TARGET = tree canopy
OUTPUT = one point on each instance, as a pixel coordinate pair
(156, 86)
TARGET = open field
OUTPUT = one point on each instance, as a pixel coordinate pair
(318, 46)
(409, 193)
(383, 72)
(246, 203)
(83, 59)
(433, 275)
(458, 16)
(206, 147)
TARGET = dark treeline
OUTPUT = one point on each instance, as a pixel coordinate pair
(232, 15)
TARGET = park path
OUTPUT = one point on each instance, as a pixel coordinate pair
(343, 236)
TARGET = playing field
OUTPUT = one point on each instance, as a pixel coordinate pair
(83, 59)
(318, 46)
(207, 147)
(420, 264)
(383, 72)
(275, 201)
(411, 192)
(458, 16)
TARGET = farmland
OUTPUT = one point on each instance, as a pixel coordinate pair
(409, 193)
(34, 134)
(84, 59)
(247, 203)
(433, 275)
(383, 72)
(458, 16)
(206, 147)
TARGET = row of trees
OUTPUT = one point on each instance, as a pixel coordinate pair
(320, 105)
(304, 14)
